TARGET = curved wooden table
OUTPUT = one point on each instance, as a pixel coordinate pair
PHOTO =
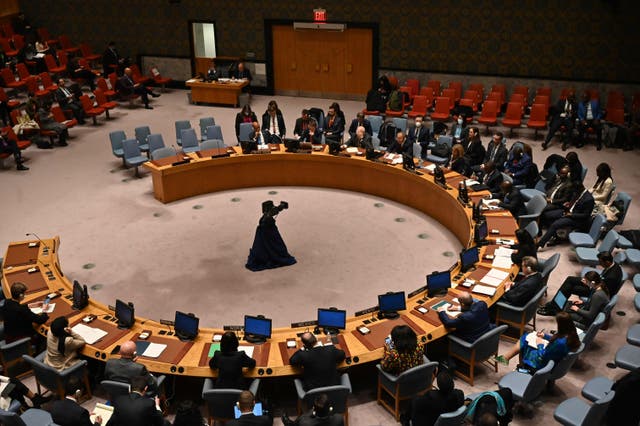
(205, 175)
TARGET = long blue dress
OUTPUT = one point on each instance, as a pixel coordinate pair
(539, 357)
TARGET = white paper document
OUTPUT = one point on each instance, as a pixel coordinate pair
(496, 273)
(102, 410)
(36, 308)
(494, 282)
(247, 349)
(501, 262)
(483, 289)
(154, 350)
(532, 340)
(503, 251)
(89, 334)
(352, 150)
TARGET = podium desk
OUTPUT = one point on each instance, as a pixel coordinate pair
(216, 92)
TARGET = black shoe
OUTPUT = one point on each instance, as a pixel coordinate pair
(546, 311)
(22, 167)
(63, 143)
(155, 95)
(148, 107)
(553, 242)
(544, 146)
(599, 147)
(564, 146)
(39, 400)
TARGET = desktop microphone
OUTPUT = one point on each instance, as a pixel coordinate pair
(34, 234)
(174, 149)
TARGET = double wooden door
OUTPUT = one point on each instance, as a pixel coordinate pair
(322, 63)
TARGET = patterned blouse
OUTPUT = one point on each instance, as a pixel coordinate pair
(395, 363)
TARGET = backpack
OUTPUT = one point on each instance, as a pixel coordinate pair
(387, 133)
(441, 150)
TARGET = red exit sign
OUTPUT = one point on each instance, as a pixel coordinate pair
(319, 15)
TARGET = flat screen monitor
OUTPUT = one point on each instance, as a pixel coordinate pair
(438, 283)
(80, 296)
(332, 319)
(256, 329)
(560, 300)
(186, 325)
(481, 231)
(248, 146)
(390, 303)
(124, 314)
(468, 258)
(291, 144)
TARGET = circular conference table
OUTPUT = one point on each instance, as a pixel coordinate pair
(36, 262)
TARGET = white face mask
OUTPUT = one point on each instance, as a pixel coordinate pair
(418, 123)
(460, 121)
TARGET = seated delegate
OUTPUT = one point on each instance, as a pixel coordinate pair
(229, 362)
(63, 345)
(426, 409)
(472, 323)
(402, 350)
(519, 293)
(319, 362)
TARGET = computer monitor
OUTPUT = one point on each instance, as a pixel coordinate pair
(438, 283)
(468, 258)
(332, 320)
(80, 296)
(390, 303)
(257, 329)
(480, 232)
(125, 314)
(291, 144)
(186, 326)
(248, 146)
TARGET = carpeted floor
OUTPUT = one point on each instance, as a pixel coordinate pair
(118, 239)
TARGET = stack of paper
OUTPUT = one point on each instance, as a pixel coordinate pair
(154, 350)
(494, 277)
(483, 289)
(502, 258)
(247, 349)
(471, 182)
(36, 308)
(352, 150)
(89, 334)
(430, 167)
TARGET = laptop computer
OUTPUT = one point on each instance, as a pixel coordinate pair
(560, 300)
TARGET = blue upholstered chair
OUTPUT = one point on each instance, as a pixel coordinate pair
(526, 387)
(155, 142)
(454, 418)
(204, 123)
(214, 132)
(220, 402)
(116, 138)
(189, 140)
(589, 255)
(483, 349)
(31, 417)
(582, 239)
(519, 317)
(55, 380)
(180, 126)
(142, 136)
(337, 394)
(132, 155)
(245, 131)
(574, 411)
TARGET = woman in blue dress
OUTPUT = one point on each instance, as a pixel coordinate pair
(559, 345)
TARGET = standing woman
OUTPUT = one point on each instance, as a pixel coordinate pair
(63, 345)
(603, 187)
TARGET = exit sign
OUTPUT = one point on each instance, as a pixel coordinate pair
(319, 15)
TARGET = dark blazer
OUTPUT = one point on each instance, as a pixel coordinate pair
(229, 368)
(316, 139)
(354, 126)
(426, 409)
(213, 75)
(308, 419)
(471, 324)
(581, 213)
(125, 85)
(124, 369)
(319, 365)
(418, 134)
(110, 61)
(240, 119)
(19, 320)
(498, 153)
(251, 420)
(66, 412)
(365, 142)
(513, 202)
(522, 291)
(266, 123)
(405, 149)
(493, 181)
(245, 73)
(61, 98)
(474, 153)
(135, 410)
(563, 191)
(336, 129)
(298, 127)
(612, 278)
(520, 169)
(558, 108)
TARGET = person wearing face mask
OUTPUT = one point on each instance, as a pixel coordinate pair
(459, 131)
(419, 134)
(472, 323)
(246, 115)
(360, 121)
(18, 318)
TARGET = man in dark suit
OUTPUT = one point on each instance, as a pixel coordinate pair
(589, 116)
(564, 114)
(246, 403)
(419, 134)
(260, 137)
(111, 60)
(491, 179)
(9, 146)
(242, 72)
(127, 87)
(319, 362)
(511, 199)
(576, 214)
(320, 415)
(212, 73)
(302, 123)
(67, 100)
(311, 133)
(426, 409)
(496, 151)
(136, 409)
(125, 368)
(521, 292)
(18, 318)
(360, 121)
(67, 412)
(273, 125)
(360, 139)
(401, 145)
(333, 126)
(472, 323)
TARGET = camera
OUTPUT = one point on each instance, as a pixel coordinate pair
(269, 209)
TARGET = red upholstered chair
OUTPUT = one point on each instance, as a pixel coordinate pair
(103, 102)
(87, 54)
(435, 85)
(479, 88)
(522, 90)
(615, 100)
(63, 58)
(544, 100)
(10, 80)
(544, 91)
(52, 66)
(109, 92)
(113, 80)
(513, 116)
(468, 103)
(159, 79)
(7, 48)
(616, 116)
(7, 30)
(427, 92)
(89, 109)
(489, 116)
(565, 92)
(137, 75)
(23, 71)
(47, 83)
(59, 116)
(22, 144)
(67, 46)
(457, 86)
(451, 94)
(11, 103)
(34, 88)
(45, 36)
(419, 107)
(407, 100)
(497, 97)
(472, 100)
(443, 110)
(414, 84)
(537, 118)
(519, 99)
(594, 94)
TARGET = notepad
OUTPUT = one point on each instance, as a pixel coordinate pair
(532, 340)
(502, 262)
(247, 349)
(496, 273)
(352, 150)
(36, 308)
(441, 304)
(89, 334)
(154, 350)
(494, 282)
(483, 289)
(102, 410)
(214, 347)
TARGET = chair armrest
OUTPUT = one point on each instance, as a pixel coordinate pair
(73, 369)
(346, 381)
(207, 385)
(40, 356)
(255, 384)
(509, 307)
(7, 346)
(392, 378)
(299, 388)
(458, 341)
(160, 380)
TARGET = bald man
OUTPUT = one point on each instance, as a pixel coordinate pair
(246, 402)
(319, 362)
(361, 139)
(258, 135)
(472, 323)
(125, 368)
(126, 86)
